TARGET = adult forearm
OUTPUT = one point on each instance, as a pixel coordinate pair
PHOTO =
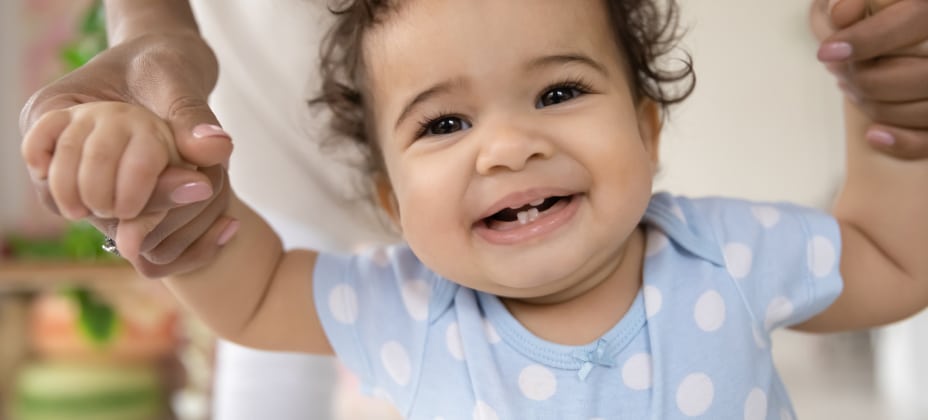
(128, 19)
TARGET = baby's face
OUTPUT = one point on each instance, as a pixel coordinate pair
(519, 161)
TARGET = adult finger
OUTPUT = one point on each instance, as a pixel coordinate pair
(910, 115)
(130, 233)
(899, 142)
(899, 25)
(889, 79)
(184, 224)
(198, 255)
(199, 138)
(179, 186)
(177, 243)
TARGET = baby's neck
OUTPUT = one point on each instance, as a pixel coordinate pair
(591, 311)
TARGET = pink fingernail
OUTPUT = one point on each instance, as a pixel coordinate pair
(835, 51)
(210, 130)
(192, 193)
(228, 232)
(831, 5)
(880, 138)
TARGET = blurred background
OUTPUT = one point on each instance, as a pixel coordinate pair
(81, 336)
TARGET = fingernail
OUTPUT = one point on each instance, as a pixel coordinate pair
(228, 232)
(880, 138)
(831, 5)
(210, 130)
(191, 193)
(835, 51)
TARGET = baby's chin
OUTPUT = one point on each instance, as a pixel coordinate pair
(545, 288)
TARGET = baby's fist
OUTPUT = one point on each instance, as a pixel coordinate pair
(102, 158)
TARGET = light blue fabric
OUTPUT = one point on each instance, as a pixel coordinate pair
(719, 275)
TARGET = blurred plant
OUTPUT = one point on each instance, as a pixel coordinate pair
(90, 40)
(81, 241)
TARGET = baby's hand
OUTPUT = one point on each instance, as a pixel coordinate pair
(100, 158)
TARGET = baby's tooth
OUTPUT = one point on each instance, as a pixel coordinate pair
(523, 217)
(537, 202)
(532, 214)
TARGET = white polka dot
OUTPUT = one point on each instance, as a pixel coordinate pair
(453, 340)
(779, 309)
(490, 331)
(755, 407)
(738, 259)
(653, 300)
(537, 382)
(343, 302)
(483, 411)
(677, 211)
(695, 394)
(636, 372)
(785, 414)
(821, 256)
(395, 360)
(767, 216)
(759, 338)
(416, 298)
(655, 242)
(709, 311)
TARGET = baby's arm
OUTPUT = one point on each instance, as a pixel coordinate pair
(254, 293)
(883, 215)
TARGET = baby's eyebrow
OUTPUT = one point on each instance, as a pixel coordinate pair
(435, 89)
(561, 59)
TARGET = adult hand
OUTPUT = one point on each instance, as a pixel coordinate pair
(172, 75)
(881, 62)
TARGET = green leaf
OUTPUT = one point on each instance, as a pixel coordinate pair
(97, 320)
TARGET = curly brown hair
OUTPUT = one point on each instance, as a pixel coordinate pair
(646, 31)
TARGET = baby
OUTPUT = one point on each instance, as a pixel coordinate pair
(514, 143)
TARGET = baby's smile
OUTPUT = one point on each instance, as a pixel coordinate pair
(526, 216)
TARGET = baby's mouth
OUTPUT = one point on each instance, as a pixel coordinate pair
(513, 218)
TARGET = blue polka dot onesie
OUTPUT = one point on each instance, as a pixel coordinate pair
(719, 276)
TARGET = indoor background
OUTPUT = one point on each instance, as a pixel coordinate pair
(764, 123)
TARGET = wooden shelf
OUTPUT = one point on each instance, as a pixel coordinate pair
(27, 276)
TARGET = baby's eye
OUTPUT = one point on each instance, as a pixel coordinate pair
(558, 94)
(443, 125)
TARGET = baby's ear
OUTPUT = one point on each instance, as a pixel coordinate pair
(649, 126)
(386, 198)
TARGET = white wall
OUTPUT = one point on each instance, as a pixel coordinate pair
(765, 119)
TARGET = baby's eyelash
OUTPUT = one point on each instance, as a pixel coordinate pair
(426, 121)
(573, 82)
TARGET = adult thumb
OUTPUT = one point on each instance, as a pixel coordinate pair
(200, 139)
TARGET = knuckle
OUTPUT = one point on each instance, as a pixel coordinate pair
(183, 104)
(162, 255)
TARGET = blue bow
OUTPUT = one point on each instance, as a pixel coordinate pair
(593, 358)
